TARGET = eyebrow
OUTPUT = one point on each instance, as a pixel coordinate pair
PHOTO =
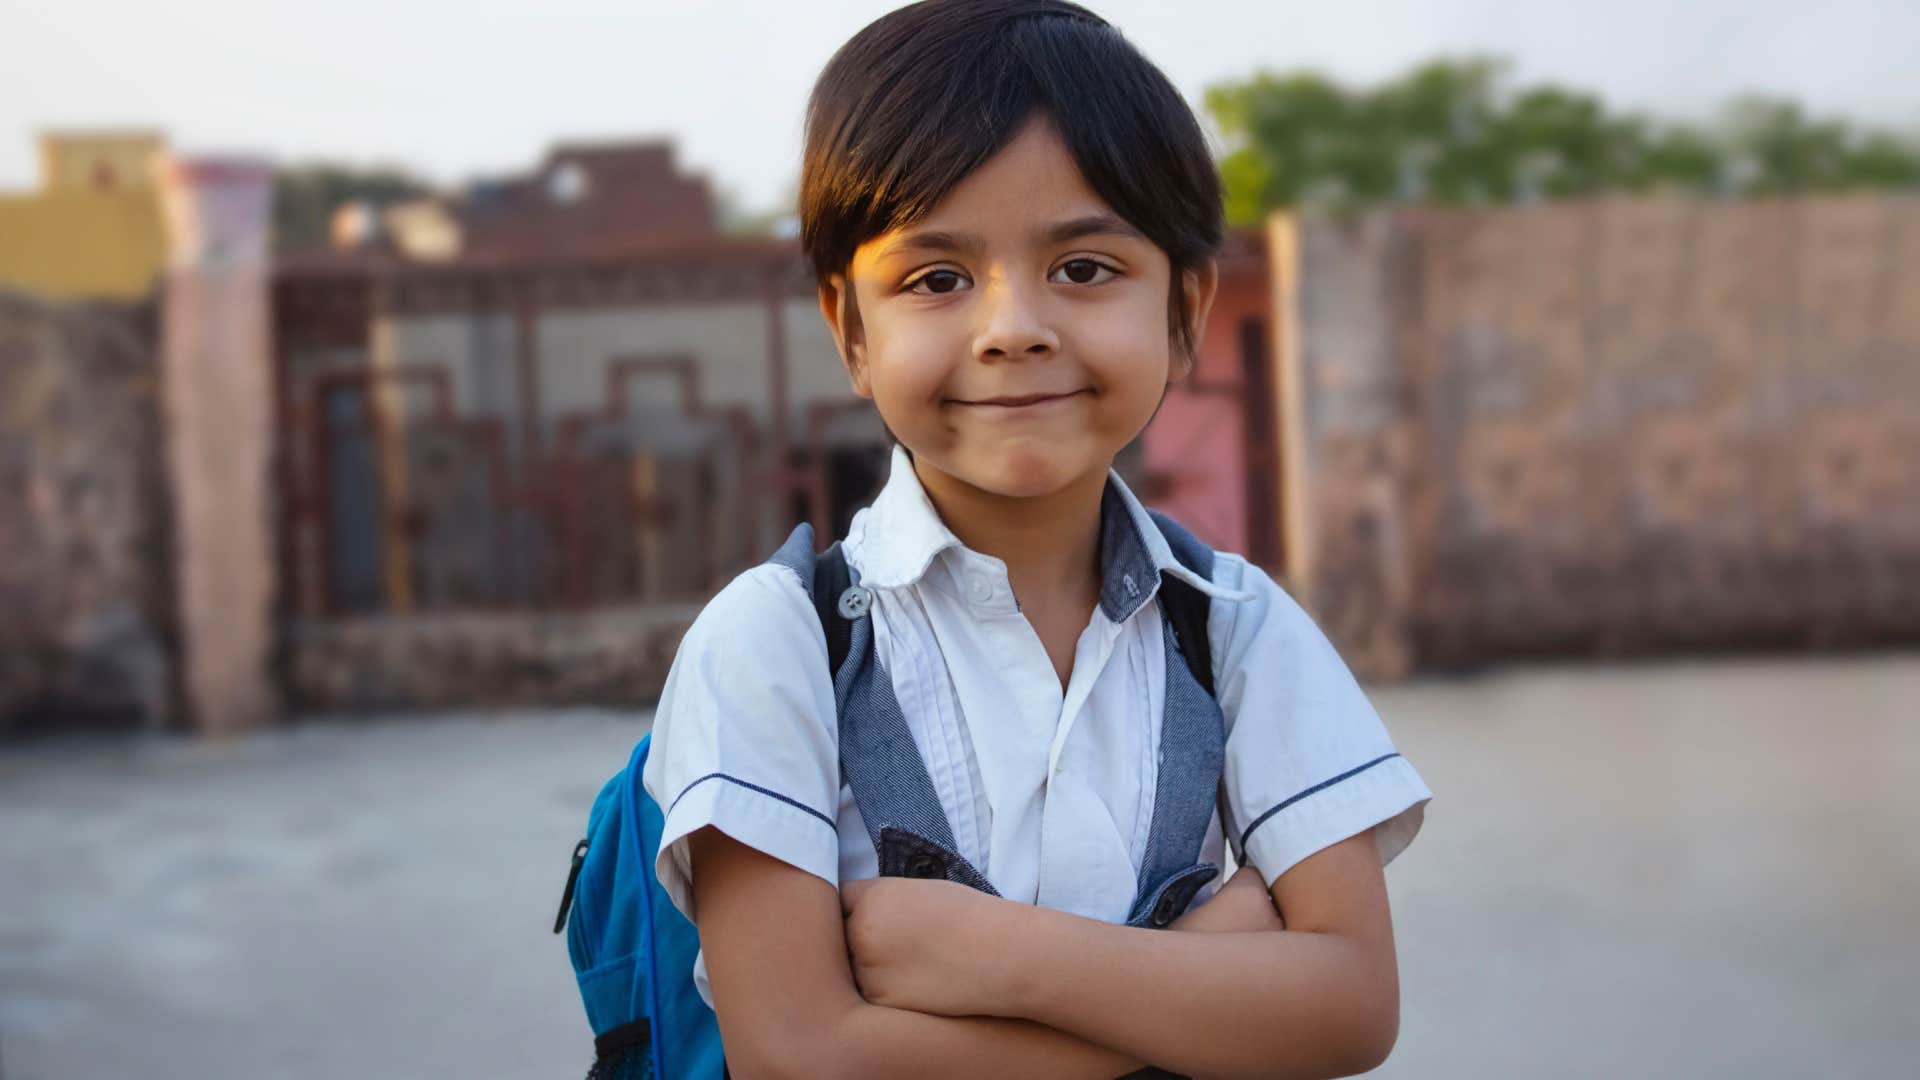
(933, 240)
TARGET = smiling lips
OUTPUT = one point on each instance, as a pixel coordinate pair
(1022, 401)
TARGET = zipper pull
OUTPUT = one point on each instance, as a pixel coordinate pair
(573, 876)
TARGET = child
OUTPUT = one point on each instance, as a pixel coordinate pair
(1012, 216)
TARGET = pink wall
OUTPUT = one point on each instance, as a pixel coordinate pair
(217, 404)
(1195, 450)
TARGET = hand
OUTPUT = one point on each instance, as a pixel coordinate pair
(1242, 904)
(924, 945)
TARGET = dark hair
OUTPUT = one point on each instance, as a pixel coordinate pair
(926, 94)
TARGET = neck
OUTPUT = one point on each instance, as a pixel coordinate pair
(1050, 543)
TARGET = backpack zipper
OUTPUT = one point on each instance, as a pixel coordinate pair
(566, 896)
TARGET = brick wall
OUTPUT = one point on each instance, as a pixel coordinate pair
(1610, 427)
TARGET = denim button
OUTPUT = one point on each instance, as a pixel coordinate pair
(855, 601)
(924, 865)
(1163, 911)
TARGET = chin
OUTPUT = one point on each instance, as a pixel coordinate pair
(1024, 472)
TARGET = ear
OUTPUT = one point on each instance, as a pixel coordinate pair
(842, 313)
(1197, 289)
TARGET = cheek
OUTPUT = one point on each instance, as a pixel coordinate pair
(1131, 357)
(908, 368)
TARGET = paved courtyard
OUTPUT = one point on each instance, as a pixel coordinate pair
(1705, 869)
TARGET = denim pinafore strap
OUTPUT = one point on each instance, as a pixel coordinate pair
(882, 765)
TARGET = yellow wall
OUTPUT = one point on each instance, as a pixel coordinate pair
(99, 161)
(104, 245)
(93, 230)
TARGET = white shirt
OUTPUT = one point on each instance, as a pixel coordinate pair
(1050, 793)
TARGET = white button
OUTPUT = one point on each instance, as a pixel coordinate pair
(980, 590)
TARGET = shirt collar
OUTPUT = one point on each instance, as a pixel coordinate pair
(900, 535)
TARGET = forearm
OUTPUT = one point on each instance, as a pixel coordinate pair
(1269, 1003)
(875, 1041)
(884, 1041)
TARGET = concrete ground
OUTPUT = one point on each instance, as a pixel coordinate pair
(1675, 870)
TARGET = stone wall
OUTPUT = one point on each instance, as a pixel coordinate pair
(1611, 427)
(84, 635)
(616, 656)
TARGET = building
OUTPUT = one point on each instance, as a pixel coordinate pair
(569, 392)
(135, 442)
(92, 229)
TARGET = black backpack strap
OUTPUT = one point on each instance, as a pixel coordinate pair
(1188, 610)
(825, 576)
(1186, 607)
(830, 579)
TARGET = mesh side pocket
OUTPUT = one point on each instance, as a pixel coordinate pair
(625, 1053)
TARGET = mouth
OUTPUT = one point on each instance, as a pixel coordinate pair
(1021, 401)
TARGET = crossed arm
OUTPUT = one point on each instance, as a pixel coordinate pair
(897, 976)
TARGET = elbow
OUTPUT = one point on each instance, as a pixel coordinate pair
(790, 1063)
(1373, 1030)
(1354, 1035)
(1358, 1048)
(755, 1062)
(792, 1053)
(1372, 1043)
(1360, 1044)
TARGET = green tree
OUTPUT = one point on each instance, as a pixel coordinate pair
(1775, 148)
(1451, 131)
(1678, 158)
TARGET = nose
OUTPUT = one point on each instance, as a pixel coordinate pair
(1012, 323)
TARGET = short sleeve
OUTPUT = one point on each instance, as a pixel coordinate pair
(744, 736)
(1308, 761)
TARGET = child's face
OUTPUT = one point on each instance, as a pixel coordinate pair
(1015, 338)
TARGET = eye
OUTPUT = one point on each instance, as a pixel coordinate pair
(938, 282)
(1085, 271)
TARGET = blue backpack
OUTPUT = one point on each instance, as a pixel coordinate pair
(632, 950)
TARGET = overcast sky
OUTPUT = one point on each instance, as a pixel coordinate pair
(457, 89)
